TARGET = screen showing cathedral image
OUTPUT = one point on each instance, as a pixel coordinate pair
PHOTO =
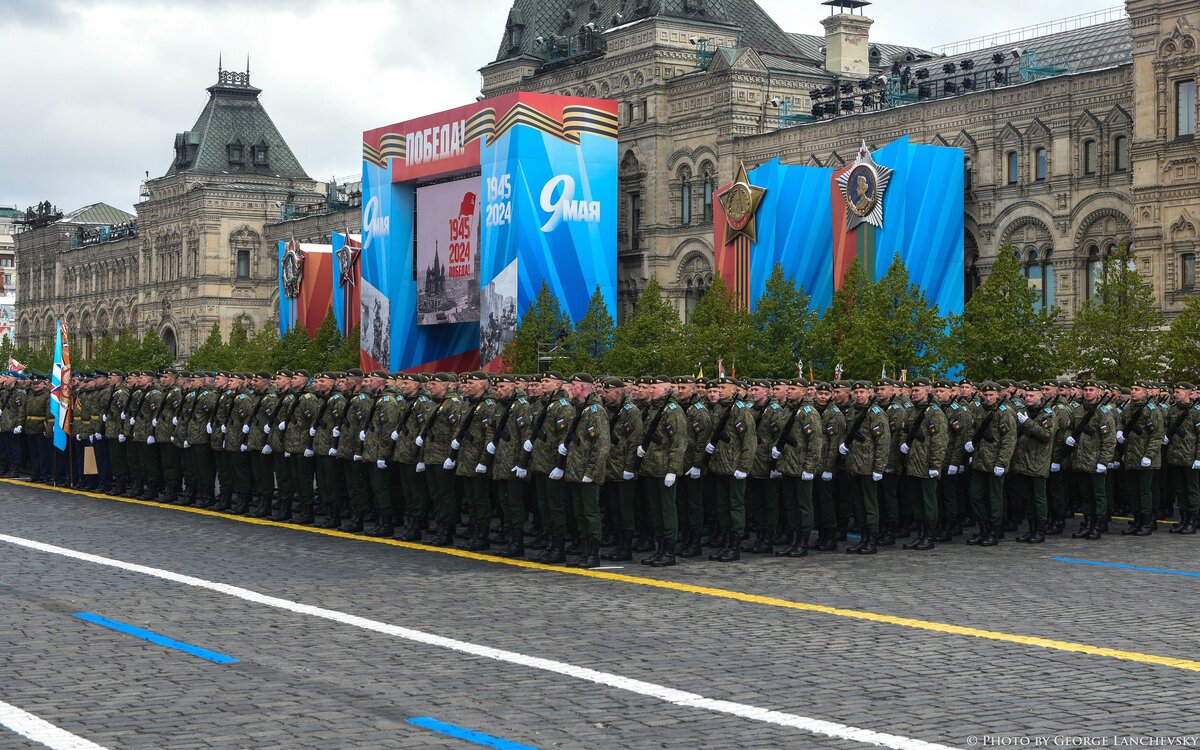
(448, 252)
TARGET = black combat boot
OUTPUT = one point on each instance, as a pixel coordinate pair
(887, 537)
(732, 553)
(1189, 526)
(828, 541)
(926, 542)
(693, 548)
(721, 542)
(655, 554)
(1024, 538)
(1135, 524)
(667, 558)
(353, 524)
(478, 540)
(556, 553)
(786, 546)
(980, 533)
(921, 531)
(332, 521)
(1085, 526)
(993, 535)
(621, 552)
(870, 545)
(862, 542)
(1039, 535)
(1096, 531)
(799, 548)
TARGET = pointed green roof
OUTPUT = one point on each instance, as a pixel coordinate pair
(96, 213)
(234, 135)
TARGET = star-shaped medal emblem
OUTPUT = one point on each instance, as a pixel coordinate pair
(347, 257)
(741, 201)
(862, 187)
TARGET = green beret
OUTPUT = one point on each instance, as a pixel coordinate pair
(685, 380)
(989, 385)
(443, 377)
(476, 375)
(1185, 387)
(613, 383)
(582, 377)
(861, 385)
(552, 375)
(825, 386)
(354, 372)
(922, 381)
(843, 384)
(377, 374)
(263, 374)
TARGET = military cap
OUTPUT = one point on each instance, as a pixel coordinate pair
(582, 377)
(419, 377)
(724, 381)
(822, 385)
(656, 379)
(377, 374)
(1032, 387)
(922, 381)
(758, 382)
(989, 385)
(861, 385)
(552, 375)
(613, 383)
(284, 373)
(118, 373)
(354, 372)
(1185, 387)
(685, 380)
(443, 377)
(1143, 384)
(801, 382)
(967, 381)
(645, 380)
(263, 374)
(843, 384)
(302, 373)
(1090, 384)
(476, 375)
(712, 382)
(1126, 390)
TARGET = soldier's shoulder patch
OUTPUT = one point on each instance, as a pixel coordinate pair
(672, 406)
(807, 409)
(837, 409)
(521, 400)
(775, 405)
(1197, 407)
(1048, 409)
(362, 396)
(1003, 407)
(894, 405)
(628, 406)
(595, 407)
(488, 401)
(876, 410)
(422, 397)
(564, 402)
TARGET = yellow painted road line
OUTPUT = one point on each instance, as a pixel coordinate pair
(687, 588)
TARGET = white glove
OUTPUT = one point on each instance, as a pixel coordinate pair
(490, 448)
(338, 433)
(154, 422)
(1166, 440)
(934, 473)
(449, 464)
(332, 452)
(282, 426)
(826, 476)
(843, 449)
(739, 474)
(952, 469)
(174, 421)
(454, 444)
(149, 440)
(224, 429)
(806, 476)
(267, 450)
(876, 476)
(186, 444)
(775, 474)
(904, 448)
(1070, 441)
(420, 441)
(132, 420)
(1055, 468)
(480, 469)
(527, 446)
(1101, 468)
(356, 457)
(266, 429)
(588, 480)
(420, 467)
(120, 437)
(1121, 437)
(103, 417)
(79, 437)
(208, 428)
(775, 452)
(641, 452)
(1146, 462)
(1195, 464)
(98, 436)
(668, 480)
(694, 472)
(521, 473)
(562, 449)
(362, 436)
(312, 431)
(998, 471)
(245, 429)
(628, 475)
(1022, 417)
(970, 446)
(122, 415)
(1112, 466)
(243, 448)
(381, 464)
(556, 473)
(395, 436)
(710, 449)
(308, 453)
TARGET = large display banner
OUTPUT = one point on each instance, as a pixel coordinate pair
(447, 252)
(544, 211)
(305, 285)
(347, 280)
(902, 198)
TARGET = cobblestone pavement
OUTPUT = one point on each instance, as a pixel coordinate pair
(306, 682)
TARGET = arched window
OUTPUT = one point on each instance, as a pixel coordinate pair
(968, 173)
(708, 174)
(685, 199)
(1090, 157)
(1095, 271)
(1039, 165)
(1121, 154)
(1013, 173)
(1187, 271)
(1033, 272)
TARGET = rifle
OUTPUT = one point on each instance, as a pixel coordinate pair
(783, 439)
(1130, 428)
(320, 420)
(425, 432)
(913, 436)
(462, 430)
(562, 460)
(1178, 423)
(501, 434)
(1083, 423)
(718, 436)
(253, 416)
(367, 422)
(135, 409)
(854, 434)
(649, 435)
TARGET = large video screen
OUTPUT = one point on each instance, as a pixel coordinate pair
(448, 252)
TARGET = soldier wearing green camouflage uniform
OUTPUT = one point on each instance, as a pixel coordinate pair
(661, 453)
(416, 410)
(692, 399)
(262, 465)
(434, 456)
(833, 434)
(197, 439)
(762, 486)
(472, 449)
(796, 456)
(1092, 444)
(384, 418)
(241, 413)
(323, 444)
(351, 435)
(550, 430)
(866, 450)
(731, 452)
(145, 437)
(1031, 461)
(1182, 427)
(298, 453)
(12, 415)
(923, 447)
(991, 448)
(506, 463)
(587, 446)
(620, 486)
(1141, 439)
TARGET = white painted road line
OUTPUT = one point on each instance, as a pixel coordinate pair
(41, 731)
(640, 687)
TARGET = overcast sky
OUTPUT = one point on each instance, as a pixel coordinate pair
(94, 92)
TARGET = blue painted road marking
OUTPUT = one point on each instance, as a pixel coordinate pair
(155, 638)
(467, 735)
(1123, 566)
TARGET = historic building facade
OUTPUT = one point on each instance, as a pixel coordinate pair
(1074, 141)
(196, 253)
